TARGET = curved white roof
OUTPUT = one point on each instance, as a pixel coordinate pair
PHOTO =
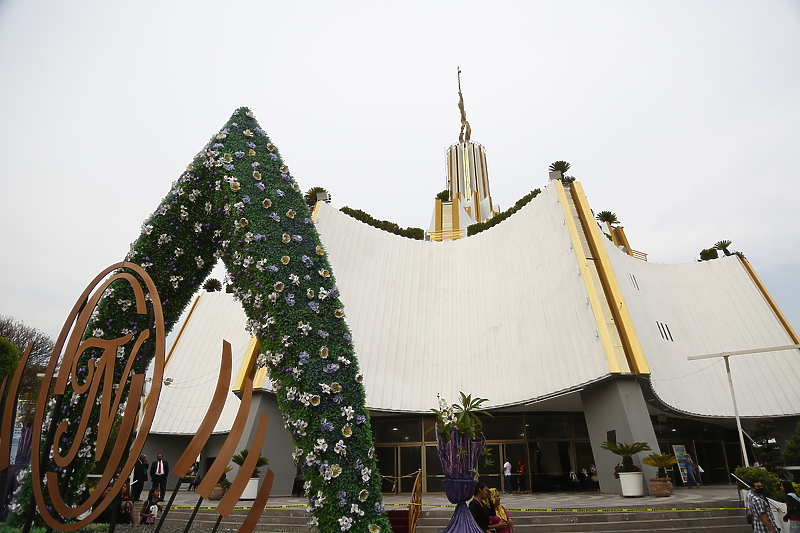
(502, 315)
(709, 307)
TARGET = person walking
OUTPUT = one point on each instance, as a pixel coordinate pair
(759, 509)
(792, 515)
(159, 471)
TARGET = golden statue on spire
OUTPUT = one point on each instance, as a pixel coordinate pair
(466, 131)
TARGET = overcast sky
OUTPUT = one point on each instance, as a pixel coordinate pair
(682, 117)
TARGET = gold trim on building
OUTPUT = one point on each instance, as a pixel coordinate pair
(594, 300)
(768, 297)
(627, 331)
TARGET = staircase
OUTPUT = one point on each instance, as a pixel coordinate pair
(723, 520)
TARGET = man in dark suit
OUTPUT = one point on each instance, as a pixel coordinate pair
(139, 477)
(159, 470)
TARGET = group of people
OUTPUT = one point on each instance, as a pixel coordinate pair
(761, 514)
(488, 512)
(586, 479)
(522, 478)
(129, 496)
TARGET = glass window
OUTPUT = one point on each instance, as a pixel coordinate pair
(410, 463)
(434, 473)
(385, 456)
(579, 426)
(399, 430)
(503, 427)
(548, 427)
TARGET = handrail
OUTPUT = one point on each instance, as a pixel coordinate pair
(415, 505)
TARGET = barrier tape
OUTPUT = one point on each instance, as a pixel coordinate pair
(514, 509)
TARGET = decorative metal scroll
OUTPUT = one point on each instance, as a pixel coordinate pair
(104, 394)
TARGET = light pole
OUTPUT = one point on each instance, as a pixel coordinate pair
(726, 355)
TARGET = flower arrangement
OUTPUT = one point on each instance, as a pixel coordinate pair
(236, 202)
(459, 439)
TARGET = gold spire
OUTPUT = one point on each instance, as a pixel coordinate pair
(466, 131)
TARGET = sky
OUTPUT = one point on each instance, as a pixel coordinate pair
(682, 117)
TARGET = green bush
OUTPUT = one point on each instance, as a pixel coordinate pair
(771, 482)
(385, 225)
(474, 229)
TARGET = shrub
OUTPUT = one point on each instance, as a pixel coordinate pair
(771, 482)
(474, 229)
(385, 225)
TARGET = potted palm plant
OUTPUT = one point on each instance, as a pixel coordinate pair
(251, 490)
(630, 475)
(661, 484)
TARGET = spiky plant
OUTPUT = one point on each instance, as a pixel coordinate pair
(240, 458)
(723, 246)
(311, 195)
(626, 451)
(660, 461)
(607, 216)
(212, 285)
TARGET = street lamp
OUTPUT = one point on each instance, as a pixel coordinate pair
(726, 355)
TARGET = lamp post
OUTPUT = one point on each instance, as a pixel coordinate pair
(726, 355)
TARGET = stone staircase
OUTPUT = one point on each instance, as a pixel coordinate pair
(295, 520)
(722, 520)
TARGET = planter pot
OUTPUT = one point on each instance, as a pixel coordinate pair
(459, 490)
(216, 493)
(632, 484)
(661, 486)
(251, 489)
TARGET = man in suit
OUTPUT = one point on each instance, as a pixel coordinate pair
(139, 477)
(159, 470)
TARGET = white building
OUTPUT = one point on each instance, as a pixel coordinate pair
(567, 335)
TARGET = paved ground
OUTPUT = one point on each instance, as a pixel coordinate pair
(709, 496)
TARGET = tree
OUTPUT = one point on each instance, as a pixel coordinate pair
(791, 455)
(723, 247)
(607, 216)
(311, 196)
(21, 335)
(212, 285)
(708, 254)
(765, 444)
(626, 451)
(9, 359)
(444, 196)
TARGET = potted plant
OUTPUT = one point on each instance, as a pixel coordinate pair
(661, 484)
(219, 490)
(630, 475)
(251, 490)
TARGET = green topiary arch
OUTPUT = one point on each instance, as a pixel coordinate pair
(238, 202)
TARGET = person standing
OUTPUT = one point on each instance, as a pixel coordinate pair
(150, 509)
(522, 483)
(139, 477)
(482, 513)
(759, 509)
(792, 506)
(507, 476)
(159, 471)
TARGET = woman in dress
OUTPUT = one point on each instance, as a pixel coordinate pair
(522, 479)
(691, 481)
(792, 506)
(150, 508)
